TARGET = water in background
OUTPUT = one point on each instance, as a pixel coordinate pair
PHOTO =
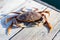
(55, 3)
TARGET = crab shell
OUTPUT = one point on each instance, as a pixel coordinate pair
(29, 17)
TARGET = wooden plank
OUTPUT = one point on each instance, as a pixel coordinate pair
(30, 33)
(51, 35)
(36, 33)
(57, 36)
(11, 5)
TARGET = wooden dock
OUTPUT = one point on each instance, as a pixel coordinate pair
(34, 33)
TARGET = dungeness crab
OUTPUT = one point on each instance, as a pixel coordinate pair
(29, 16)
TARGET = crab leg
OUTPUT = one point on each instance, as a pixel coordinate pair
(16, 23)
(44, 11)
(22, 9)
(46, 23)
(19, 12)
(49, 26)
(16, 12)
(9, 28)
(47, 12)
(36, 9)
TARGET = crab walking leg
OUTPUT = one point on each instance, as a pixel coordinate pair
(37, 23)
(16, 22)
(9, 28)
(19, 12)
(22, 9)
(44, 12)
(49, 26)
(18, 25)
(16, 12)
(36, 9)
(46, 23)
(47, 12)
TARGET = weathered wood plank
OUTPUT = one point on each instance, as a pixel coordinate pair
(12, 5)
(30, 33)
(57, 37)
(51, 35)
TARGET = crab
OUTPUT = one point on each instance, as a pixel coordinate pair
(29, 16)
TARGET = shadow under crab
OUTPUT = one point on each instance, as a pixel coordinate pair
(33, 16)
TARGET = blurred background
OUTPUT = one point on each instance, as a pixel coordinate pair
(54, 4)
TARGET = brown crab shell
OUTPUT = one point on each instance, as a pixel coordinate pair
(29, 16)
